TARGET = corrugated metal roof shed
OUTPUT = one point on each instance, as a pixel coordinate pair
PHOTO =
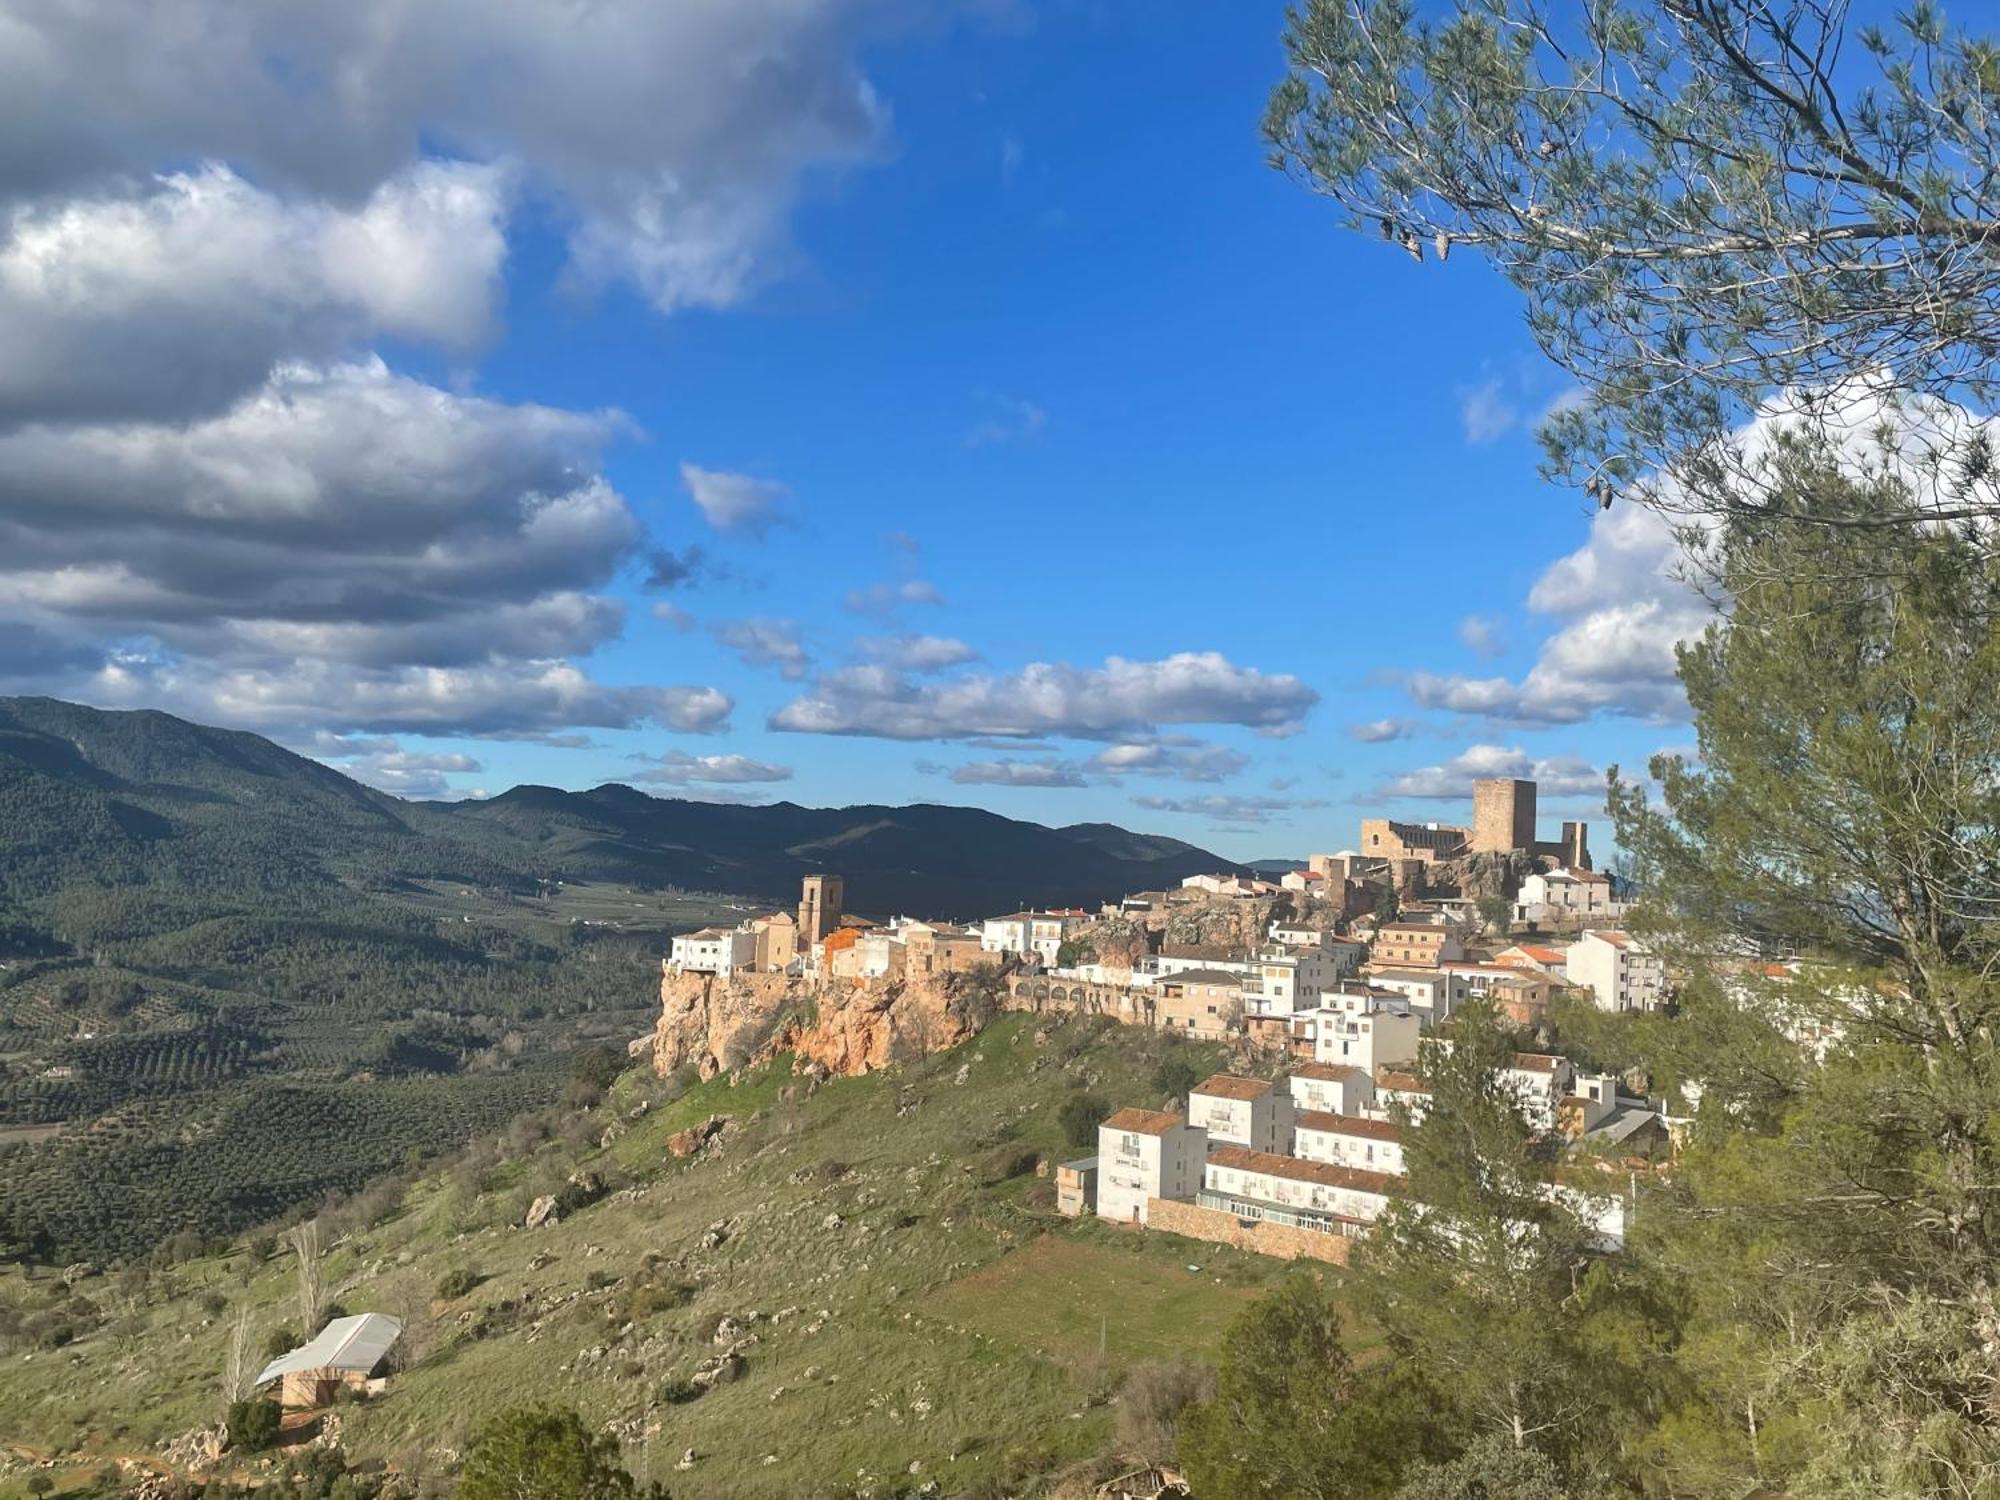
(354, 1345)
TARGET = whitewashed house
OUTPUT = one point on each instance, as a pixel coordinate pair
(1250, 1112)
(1368, 1041)
(1285, 1190)
(714, 950)
(1349, 1141)
(1331, 1088)
(1619, 970)
(1144, 1154)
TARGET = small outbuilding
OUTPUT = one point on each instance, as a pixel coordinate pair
(348, 1353)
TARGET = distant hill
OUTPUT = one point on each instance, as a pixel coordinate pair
(205, 937)
(97, 798)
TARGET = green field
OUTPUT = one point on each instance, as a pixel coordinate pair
(885, 1242)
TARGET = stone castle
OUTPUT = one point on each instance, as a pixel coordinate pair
(1503, 822)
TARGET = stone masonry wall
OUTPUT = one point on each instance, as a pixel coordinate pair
(1220, 1228)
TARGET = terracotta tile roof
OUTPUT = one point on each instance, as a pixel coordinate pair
(1231, 1086)
(1327, 1072)
(1361, 1125)
(1401, 1082)
(1538, 953)
(1243, 1159)
(1143, 1121)
(1535, 1062)
(1615, 938)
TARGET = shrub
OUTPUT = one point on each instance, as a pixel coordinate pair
(1150, 1406)
(1080, 1116)
(252, 1425)
(455, 1284)
(1177, 1073)
(657, 1297)
(543, 1453)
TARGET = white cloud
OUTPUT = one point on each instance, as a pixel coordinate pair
(917, 653)
(1173, 757)
(498, 698)
(343, 547)
(1623, 612)
(1223, 808)
(1486, 413)
(1381, 731)
(1557, 776)
(403, 773)
(1182, 761)
(670, 140)
(679, 768)
(766, 643)
(174, 301)
(734, 502)
(1480, 634)
(1119, 699)
(1009, 772)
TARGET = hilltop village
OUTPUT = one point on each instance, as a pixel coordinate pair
(1325, 981)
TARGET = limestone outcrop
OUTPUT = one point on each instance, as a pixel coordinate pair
(846, 1026)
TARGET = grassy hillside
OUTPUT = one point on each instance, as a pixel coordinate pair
(232, 979)
(917, 1310)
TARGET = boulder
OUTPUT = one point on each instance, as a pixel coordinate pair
(685, 1143)
(542, 1211)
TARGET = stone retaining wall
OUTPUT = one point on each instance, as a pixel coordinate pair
(1220, 1228)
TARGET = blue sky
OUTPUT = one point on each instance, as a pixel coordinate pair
(1008, 357)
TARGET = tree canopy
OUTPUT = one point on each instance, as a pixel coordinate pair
(1714, 209)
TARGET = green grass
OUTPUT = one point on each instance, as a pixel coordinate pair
(948, 1319)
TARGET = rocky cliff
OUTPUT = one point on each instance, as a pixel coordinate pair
(848, 1026)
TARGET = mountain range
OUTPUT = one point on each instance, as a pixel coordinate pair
(141, 798)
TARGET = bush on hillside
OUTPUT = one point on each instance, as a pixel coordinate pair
(544, 1453)
(252, 1425)
(1080, 1116)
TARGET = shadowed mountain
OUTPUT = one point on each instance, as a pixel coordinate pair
(125, 799)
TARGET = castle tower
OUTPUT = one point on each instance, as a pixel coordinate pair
(1576, 846)
(819, 908)
(1503, 815)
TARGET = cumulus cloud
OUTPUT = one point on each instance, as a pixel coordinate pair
(1224, 808)
(175, 301)
(734, 502)
(1182, 761)
(766, 643)
(917, 653)
(404, 773)
(498, 699)
(1558, 776)
(1175, 758)
(1623, 611)
(344, 545)
(671, 139)
(1120, 699)
(679, 768)
(1381, 731)
(1010, 772)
